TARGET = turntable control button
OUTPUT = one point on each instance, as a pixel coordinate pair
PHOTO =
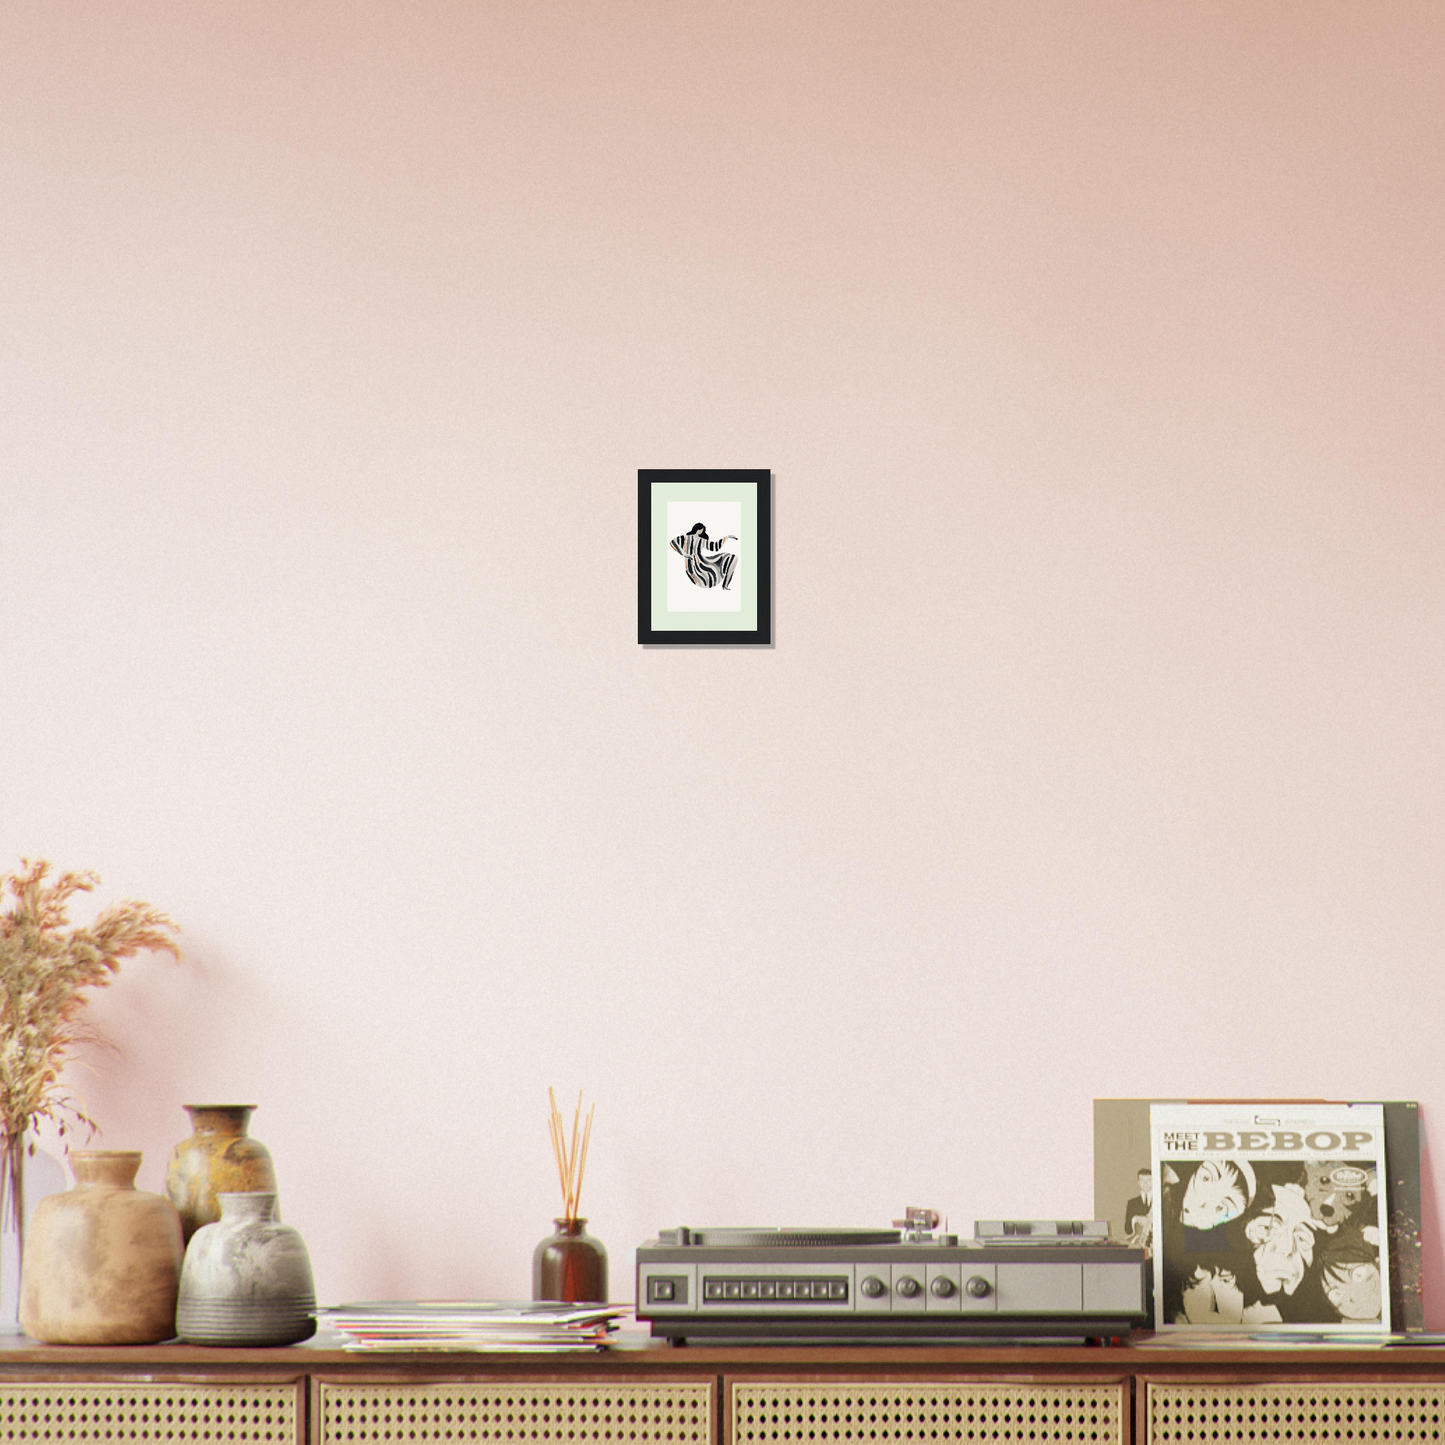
(942, 1286)
(872, 1286)
(978, 1286)
(908, 1287)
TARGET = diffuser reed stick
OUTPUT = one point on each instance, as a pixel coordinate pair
(570, 1154)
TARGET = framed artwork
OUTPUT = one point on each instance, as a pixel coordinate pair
(704, 557)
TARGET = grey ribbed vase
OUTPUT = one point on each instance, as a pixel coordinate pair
(246, 1279)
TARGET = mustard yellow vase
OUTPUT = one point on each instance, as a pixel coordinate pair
(219, 1158)
(102, 1262)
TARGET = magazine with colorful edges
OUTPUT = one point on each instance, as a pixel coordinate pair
(472, 1324)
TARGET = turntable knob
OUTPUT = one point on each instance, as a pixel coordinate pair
(872, 1286)
(908, 1287)
(978, 1286)
(942, 1286)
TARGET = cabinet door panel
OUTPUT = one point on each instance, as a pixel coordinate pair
(776, 1413)
(1193, 1414)
(617, 1413)
(185, 1414)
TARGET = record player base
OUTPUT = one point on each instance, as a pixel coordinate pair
(648, 1393)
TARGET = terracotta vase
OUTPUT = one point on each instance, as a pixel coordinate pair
(247, 1279)
(220, 1157)
(102, 1262)
(570, 1265)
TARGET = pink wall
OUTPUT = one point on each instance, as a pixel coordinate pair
(1096, 349)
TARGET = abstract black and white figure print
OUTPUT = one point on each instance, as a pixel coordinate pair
(708, 556)
(707, 563)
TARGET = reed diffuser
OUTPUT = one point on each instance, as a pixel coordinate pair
(570, 1266)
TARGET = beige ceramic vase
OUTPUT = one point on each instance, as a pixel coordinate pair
(102, 1262)
(219, 1158)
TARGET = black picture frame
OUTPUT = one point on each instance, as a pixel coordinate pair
(685, 578)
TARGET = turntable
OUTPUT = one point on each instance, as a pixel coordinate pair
(1015, 1279)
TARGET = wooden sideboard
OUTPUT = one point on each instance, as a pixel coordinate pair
(646, 1393)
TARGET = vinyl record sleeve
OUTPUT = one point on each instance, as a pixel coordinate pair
(1123, 1184)
(1270, 1218)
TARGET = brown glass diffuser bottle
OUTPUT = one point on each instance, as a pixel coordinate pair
(570, 1266)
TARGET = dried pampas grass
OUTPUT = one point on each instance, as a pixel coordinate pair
(46, 971)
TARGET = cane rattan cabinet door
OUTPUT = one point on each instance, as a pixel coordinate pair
(90, 1413)
(768, 1412)
(1382, 1413)
(618, 1412)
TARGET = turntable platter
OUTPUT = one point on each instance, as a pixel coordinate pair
(789, 1238)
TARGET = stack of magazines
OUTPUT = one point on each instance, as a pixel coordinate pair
(472, 1325)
